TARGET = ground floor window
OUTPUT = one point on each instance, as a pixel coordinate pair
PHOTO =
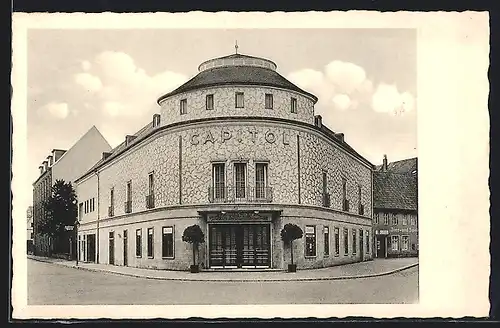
(367, 242)
(150, 242)
(326, 234)
(394, 243)
(346, 241)
(168, 242)
(404, 243)
(337, 241)
(138, 243)
(310, 241)
(354, 242)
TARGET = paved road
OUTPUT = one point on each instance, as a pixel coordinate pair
(50, 284)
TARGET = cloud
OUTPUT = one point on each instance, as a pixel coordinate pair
(54, 109)
(88, 81)
(387, 99)
(86, 65)
(126, 90)
(341, 101)
(344, 85)
(336, 86)
(346, 77)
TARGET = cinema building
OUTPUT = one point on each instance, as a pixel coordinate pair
(239, 151)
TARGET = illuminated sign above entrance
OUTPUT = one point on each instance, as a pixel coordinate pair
(224, 136)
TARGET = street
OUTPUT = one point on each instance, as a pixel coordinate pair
(50, 284)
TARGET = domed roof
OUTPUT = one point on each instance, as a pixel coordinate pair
(237, 69)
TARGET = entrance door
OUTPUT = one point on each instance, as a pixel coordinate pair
(236, 246)
(125, 248)
(112, 247)
(91, 248)
(381, 246)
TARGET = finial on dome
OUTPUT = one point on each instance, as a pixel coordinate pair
(236, 46)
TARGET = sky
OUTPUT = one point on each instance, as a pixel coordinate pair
(365, 80)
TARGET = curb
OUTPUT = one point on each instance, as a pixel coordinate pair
(228, 280)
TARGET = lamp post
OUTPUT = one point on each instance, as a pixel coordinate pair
(76, 225)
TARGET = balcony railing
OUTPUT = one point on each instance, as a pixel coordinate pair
(345, 205)
(240, 194)
(150, 201)
(111, 211)
(361, 209)
(128, 206)
(326, 200)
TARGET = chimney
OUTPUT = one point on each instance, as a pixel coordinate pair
(45, 165)
(105, 155)
(156, 120)
(56, 154)
(384, 164)
(129, 139)
(50, 160)
(41, 169)
(318, 121)
(340, 136)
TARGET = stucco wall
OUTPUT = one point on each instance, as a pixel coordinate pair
(80, 157)
(224, 104)
(86, 190)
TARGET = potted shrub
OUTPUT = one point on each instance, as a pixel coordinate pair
(289, 233)
(195, 236)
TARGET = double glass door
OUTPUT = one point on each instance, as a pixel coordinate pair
(240, 246)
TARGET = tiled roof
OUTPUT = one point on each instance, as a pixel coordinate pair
(237, 75)
(403, 166)
(395, 191)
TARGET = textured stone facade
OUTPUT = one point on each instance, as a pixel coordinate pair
(251, 141)
(225, 104)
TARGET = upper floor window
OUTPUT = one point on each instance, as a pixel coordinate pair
(394, 219)
(376, 218)
(293, 105)
(151, 187)
(219, 181)
(386, 218)
(210, 102)
(240, 100)
(413, 220)
(404, 220)
(269, 101)
(260, 180)
(183, 106)
(240, 179)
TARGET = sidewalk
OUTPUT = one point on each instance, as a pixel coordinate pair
(375, 268)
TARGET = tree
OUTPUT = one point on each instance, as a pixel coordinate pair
(289, 233)
(61, 209)
(193, 235)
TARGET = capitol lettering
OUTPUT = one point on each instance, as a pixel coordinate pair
(224, 136)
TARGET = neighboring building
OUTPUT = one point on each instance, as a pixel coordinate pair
(29, 229)
(237, 150)
(67, 166)
(395, 221)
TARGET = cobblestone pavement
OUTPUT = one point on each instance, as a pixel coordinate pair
(50, 284)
